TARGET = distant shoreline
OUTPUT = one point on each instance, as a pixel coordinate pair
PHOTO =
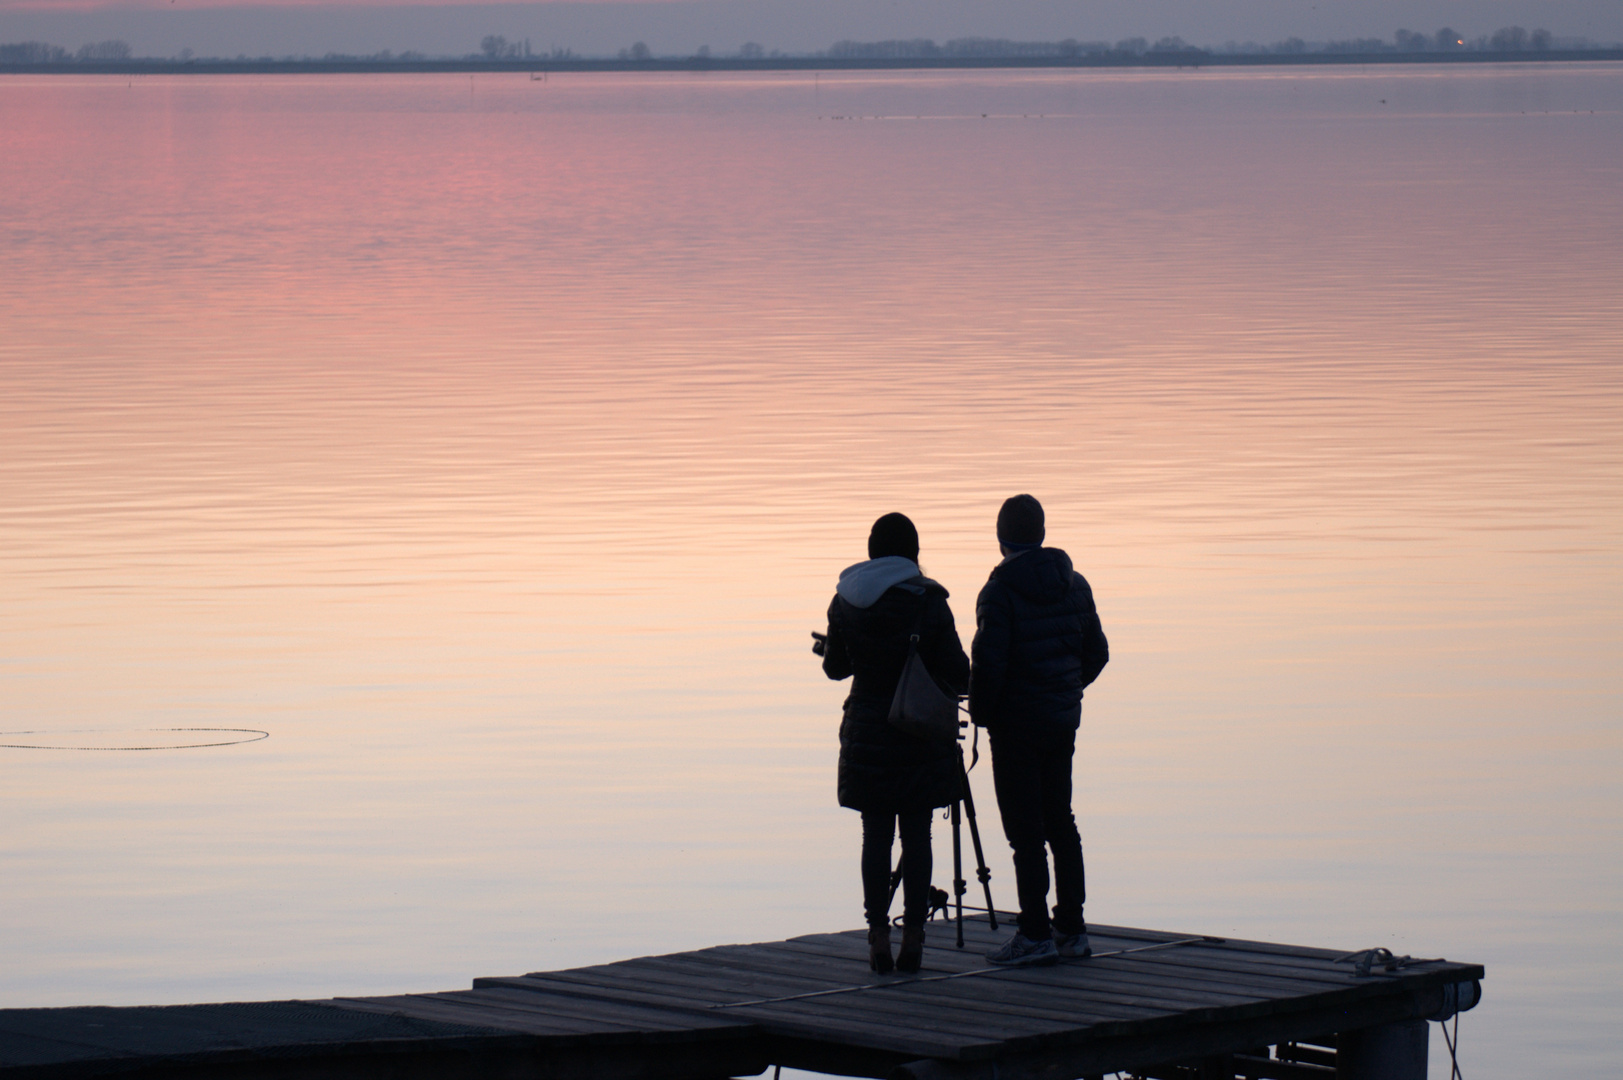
(539, 65)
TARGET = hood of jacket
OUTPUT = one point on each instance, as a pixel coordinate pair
(863, 584)
(1042, 576)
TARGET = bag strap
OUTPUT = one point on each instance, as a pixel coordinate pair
(918, 624)
(913, 643)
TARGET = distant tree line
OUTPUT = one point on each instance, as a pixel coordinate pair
(38, 52)
(383, 56)
(1443, 40)
(1504, 39)
(1446, 39)
(497, 47)
(1000, 48)
(926, 49)
(750, 50)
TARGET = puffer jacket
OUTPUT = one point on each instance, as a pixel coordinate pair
(869, 621)
(1038, 643)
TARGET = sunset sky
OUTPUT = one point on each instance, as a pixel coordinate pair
(227, 27)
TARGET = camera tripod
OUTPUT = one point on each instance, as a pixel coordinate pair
(962, 807)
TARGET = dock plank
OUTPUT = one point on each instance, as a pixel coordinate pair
(888, 1002)
(950, 993)
(944, 960)
(647, 975)
(97, 1040)
(1148, 969)
(863, 1023)
(515, 1010)
(1156, 991)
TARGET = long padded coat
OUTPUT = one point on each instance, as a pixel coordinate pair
(881, 768)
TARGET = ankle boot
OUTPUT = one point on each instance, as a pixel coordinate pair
(879, 949)
(911, 956)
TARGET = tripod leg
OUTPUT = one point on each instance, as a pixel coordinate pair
(895, 883)
(959, 886)
(981, 871)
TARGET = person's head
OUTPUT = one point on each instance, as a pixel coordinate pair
(893, 534)
(1020, 525)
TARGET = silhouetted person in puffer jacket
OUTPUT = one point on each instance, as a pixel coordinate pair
(1038, 643)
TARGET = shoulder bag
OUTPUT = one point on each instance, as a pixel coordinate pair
(920, 708)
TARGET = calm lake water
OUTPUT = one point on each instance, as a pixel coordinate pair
(494, 444)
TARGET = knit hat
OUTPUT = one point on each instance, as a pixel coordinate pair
(1020, 522)
(893, 534)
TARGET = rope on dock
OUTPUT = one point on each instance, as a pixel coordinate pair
(1453, 1048)
(1365, 960)
(956, 975)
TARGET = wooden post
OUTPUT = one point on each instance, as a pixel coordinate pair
(1387, 1052)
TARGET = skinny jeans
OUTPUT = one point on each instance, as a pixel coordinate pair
(878, 831)
(1031, 772)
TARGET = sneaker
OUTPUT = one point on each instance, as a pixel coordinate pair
(1021, 951)
(1072, 946)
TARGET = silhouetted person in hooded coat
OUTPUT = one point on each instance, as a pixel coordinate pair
(891, 777)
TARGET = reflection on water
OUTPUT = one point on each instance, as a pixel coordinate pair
(495, 444)
(193, 738)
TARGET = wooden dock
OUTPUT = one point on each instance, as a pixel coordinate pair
(1149, 1002)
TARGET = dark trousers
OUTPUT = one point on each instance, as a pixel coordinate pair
(878, 830)
(1031, 771)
